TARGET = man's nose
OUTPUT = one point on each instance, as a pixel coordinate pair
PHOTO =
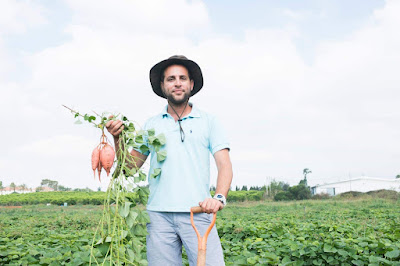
(178, 83)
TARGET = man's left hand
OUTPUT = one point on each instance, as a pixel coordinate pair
(211, 205)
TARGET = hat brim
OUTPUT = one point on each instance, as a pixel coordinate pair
(157, 70)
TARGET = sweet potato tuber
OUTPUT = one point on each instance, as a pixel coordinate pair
(95, 159)
(107, 155)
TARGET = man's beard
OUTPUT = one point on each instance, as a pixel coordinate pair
(175, 102)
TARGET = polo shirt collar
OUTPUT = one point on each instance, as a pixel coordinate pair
(194, 113)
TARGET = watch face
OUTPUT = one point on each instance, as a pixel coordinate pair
(219, 196)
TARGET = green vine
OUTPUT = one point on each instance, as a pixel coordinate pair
(120, 236)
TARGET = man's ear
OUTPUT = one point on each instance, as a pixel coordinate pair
(162, 88)
(191, 84)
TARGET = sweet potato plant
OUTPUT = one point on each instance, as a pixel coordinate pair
(119, 235)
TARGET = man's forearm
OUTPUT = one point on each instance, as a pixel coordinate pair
(225, 173)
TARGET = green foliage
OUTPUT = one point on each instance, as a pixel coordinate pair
(56, 198)
(116, 239)
(298, 192)
(275, 187)
(311, 233)
(283, 196)
(50, 183)
(240, 196)
(362, 232)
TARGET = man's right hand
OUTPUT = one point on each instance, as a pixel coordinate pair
(115, 127)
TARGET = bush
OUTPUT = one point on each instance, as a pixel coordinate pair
(321, 196)
(254, 195)
(283, 195)
(300, 192)
(384, 194)
(350, 194)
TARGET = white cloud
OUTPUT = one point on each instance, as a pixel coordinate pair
(175, 17)
(282, 115)
(58, 146)
(19, 16)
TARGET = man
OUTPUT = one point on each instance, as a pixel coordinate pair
(191, 135)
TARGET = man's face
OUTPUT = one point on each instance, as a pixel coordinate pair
(177, 85)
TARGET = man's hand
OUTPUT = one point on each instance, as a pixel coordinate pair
(115, 127)
(210, 205)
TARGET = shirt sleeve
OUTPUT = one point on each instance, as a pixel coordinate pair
(218, 140)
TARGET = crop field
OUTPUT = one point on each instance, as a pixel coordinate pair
(324, 232)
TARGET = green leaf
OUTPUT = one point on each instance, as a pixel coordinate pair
(144, 149)
(130, 220)
(86, 117)
(139, 138)
(136, 179)
(156, 172)
(124, 118)
(91, 118)
(151, 132)
(161, 155)
(131, 254)
(78, 122)
(392, 254)
(124, 210)
(103, 248)
(140, 230)
(76, 115)
(343, 253)
(161, 139)
(152, 139)
(131, 127)
(142, 176)
(156, 146)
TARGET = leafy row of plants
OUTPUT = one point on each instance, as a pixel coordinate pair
(55, 198)
(313, 233)
(96, 198)
(299, 233)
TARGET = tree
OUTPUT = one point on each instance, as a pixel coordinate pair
(13, 186)
(23, 187)
(237, 188)
(300, 192)
(244, 188)
(306, 171)
(50, 183)
(275, 187)
(1, 185)
(62, 188)
(212, 188)
(397, 176)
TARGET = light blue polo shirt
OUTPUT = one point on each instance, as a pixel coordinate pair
(185, 173)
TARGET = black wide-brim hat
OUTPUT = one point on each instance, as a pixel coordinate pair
(194, 71)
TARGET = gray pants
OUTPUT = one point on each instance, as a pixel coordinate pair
(169, 230)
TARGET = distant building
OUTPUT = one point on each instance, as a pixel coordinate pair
(359, 184)
(44, 189)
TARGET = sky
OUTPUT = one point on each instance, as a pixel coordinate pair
(296, 84)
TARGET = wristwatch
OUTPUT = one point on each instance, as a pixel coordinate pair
(221, 198)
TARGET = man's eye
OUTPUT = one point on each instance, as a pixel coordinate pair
(184, 78)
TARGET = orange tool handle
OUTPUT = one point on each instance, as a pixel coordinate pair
(202, 241)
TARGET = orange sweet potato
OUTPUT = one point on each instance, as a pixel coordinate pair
(107, 155)
(95, 159)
